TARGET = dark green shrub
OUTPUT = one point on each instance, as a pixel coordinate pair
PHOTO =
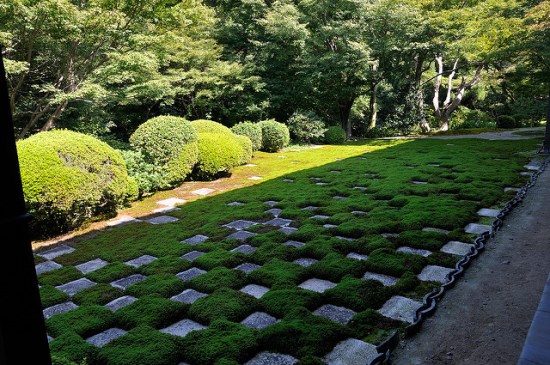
(209, 126)
(246, 145)
(506, 121)
(305, 127)
(465, 118)
(335, 135)
(70, 177)
(218, 153)
(275, 135)
(252, 131)
(223, 304)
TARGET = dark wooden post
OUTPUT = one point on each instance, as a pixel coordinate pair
(23, 338)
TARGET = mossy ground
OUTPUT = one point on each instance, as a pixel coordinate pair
(462, 176)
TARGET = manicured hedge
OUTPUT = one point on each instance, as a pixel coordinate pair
(275, 135)
(252, 131)
(335, 135)
(218, 153)
(209, 126)
(246, 145)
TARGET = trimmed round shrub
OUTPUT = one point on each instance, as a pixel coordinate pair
(69, 177)
(218, 153)
(252, 131)
(305, 127)
(169, 143)
(209, 126)
(275, 135)
(506, 121)
(335, 135)
(246, 145)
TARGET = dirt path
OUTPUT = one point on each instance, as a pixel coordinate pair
(484, 319)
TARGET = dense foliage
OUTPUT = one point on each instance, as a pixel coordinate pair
(252, 131)
(335, 135)
(275, 135)
(218, 153)
(305, 127)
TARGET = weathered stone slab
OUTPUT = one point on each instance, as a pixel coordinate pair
(305, 262)
(240, 224)
(434, 273)
(388, 235)
(317, 285)
(271, 203)
(329, 226)
(259, 320)
(416, 182)
(322, 183)
(195, 240)
(435, 230)
(46, 266)
(121, 302)
(434, 165)
(319, 216)
(339, 197)
(246, 249)
(278, 222)
(457, 248)
(475, 228)
(162, 219)
(235, 204)
(241, 235)
(275, 211)
(56, 252)
(165, 209)
(140, 261)
(170, 202)
(351, 352)
(255, 178)
(190, 274)
(128, 281)
(257, 291)
(400, 308)
(414, 251)
(188, 296)
(357, 256)
(337, 314)
(533, 166)
(293, 243)
(386, 280)
(247, 267)
(358, 212)
(124, 219)
(250, 165)
(271, 358)
(336, 171)
(485, 212)
(103, 338)
(288, 230)
(203, 191)
(183, 328)
(75, 286)
(91, 266)
(511, 189)
(50, 338)
(362, 188)
(192, 256)
(288, 180)
(310, 207)
(58, 309)
(345, 238)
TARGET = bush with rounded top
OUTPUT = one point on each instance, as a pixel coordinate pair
(252, 131)
(506, 121)
(246, 145)
(209, 126)
(305, 127)
(335, 135)
(218, 153)
(69, 177)
(275, 135)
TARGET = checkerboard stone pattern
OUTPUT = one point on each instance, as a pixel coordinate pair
(73, 287)
(103, 338)
(240, 224)
(195, 240)
(351, 352)
(247, 267)
(400, 308)
(128, 281)
(271, 358)
(434, 273)
(317, 285)
(278, 222)
(183, 328)
(385, 280)
(257, 291)
(192, 256)
(188, 296)
(58, 309)
(91, 266)
(56, 252)
(457, 248)
(163, 219)
(414, 251)
(259, 320)
(305, 261)
(190, 274)
(244, 249)
(119, 303)
(337, 314)
(46, 266)
(140, 261)
(275, 212)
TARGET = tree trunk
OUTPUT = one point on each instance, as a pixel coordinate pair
(345, 111)
(546, 143)
(419, 71)
(373, 104)
(51, 120)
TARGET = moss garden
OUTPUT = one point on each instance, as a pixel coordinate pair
(343, 212)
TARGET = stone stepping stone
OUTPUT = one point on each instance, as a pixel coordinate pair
(319, 216)
(389, 235)
(241, 235)
(434, 165)
(310, 207)
(188, 296)
(414, 251)
(316, 178)
(336, 171)
(272, 358)
(526, 173)
(195, 240)
(288, 180)
(532, 167)
(257, 291)
(91, 266)
(58, 309)
(192, 256)
(434, 273)
(475, 228)
(165, 210)
(203, 191)
(103, 338)
(75, 286)
(345, 238)
(359, 212)
(250, 165)
(400, 308)
(288, 230)
(259, 320)
(183, 328)
(240, 224)
(279, 222)
(317, 285)
(322, 183)
(357, 256)
(276, 212)
(235, 204)
(162, 219)
(386, 280)
(339, 197)
(121, 302)
(245, 249)
(271, 203)
(295, 244)
(50, 338)
(255, 178)
(170, 202)
(128, 281)
(457, 248)
(511, 189)
(329, 226)
(56, 252)
(190, 274)
(247, 267)
(124, 219)
(337, 314)
(362, 188)
(485, 212)
(435, 230)
(419, 182)
(140, 261)
(351, 352)
(46, 266)
(305, 261)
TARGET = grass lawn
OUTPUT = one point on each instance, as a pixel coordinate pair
(347, 210)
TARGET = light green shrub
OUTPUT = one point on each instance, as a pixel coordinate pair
(252, 131)
(209, 126)
(335, 135)
(275, 135)
(218, 153)
(246, 145)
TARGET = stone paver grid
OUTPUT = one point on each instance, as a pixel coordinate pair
(400, 308)
(434, 273)
(140, 261)
(386, 280)
(195, 240)
(128, 281)
(75, 286)
(188, 296)
(46, 266)
(56, 252)
(183, 328)
(58, 309)
(121, 302)
(257, 291)
(337, 314)
(351, 352)
(103, 338)
(259, 320)
(457, 248)
(317, 285)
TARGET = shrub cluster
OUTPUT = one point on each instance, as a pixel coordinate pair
(275, 135)
(306, 127)
(218, 153)
(335, 135)
(252, 131)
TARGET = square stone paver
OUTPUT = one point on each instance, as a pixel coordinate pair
(400, 308)
(359, 212)
(305, 261)
(56, 252)
(345, 238)
(386, 280)
(339, 197)
(278, 222)
(46, 266)
(532, 166)
(250, 165)
(165, 209)
(295, 244)
(319, 216)
(91, 266)
(310, 208)
(140, 261)
(121, 302)
(235, 204)
(246, 249)
(162, 219)
(195, 240)
(336, 171)
(485, 212)
(275, 211)
(271, 203)
(257, 291)
(317, 285)
(414, 251)
(334, 313)
(288, 180)
(389, 235)
(192, 256)
(322, 183)
(240, 224)
(362, 188)
(351, 352)
(247, 267)
(188, 296)
(259, 320)
(202, 192)
(103, 338)
(182, 328)
(58, 309)
(241, 235)
(436, 230)
(416, 182)
(128, 281)
(329, 226)
(190, 274)
(434, 273)
(288, 230)
(255, 178)
(511, 189)
(75, 286)
(356, 256)
(170, 202)
(475, 228)
(457, 248)
(272, 358)
(124, 219)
